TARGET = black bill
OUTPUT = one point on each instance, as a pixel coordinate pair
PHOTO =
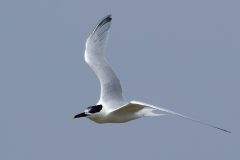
(80, 115)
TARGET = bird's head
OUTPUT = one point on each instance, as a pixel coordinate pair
(89, 111)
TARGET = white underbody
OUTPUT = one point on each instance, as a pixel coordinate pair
(125, 113)
(121, 118)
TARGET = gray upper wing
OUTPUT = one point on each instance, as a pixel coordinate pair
(94, 56)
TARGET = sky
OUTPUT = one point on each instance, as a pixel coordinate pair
(182, 55)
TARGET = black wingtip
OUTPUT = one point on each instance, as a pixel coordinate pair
(104, 20)
(107, 18)
(224, 130)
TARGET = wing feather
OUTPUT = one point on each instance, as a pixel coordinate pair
(178, 114)
(111, 90)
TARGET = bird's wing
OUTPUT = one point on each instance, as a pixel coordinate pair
(111, 90)
(137, 106)
(130, 108)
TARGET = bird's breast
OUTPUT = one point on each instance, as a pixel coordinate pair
(114, 118)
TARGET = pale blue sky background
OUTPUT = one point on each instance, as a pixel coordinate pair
(180, 54)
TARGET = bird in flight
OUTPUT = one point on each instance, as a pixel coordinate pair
(112, 107)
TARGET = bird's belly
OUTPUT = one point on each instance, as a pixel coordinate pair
(114, 119)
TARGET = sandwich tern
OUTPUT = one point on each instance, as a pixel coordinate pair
(112, 107)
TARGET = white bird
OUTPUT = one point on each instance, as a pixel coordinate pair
(112, 107)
